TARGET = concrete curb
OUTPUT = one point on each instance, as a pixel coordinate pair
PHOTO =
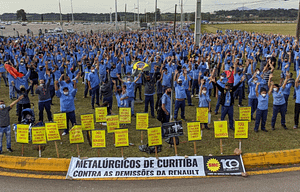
(61, 165)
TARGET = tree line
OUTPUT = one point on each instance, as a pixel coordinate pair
(221, 15)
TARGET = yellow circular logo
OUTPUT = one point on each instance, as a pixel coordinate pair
(213, 165)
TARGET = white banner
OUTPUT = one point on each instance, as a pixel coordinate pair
(135, 167)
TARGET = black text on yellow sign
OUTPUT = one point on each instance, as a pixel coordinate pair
(38, 135)
(87, 122)
(124, 115)
(61, 120)
(154, 136)
(241, 130)
(221, 130)
(121, 138)
(52, 132)
(98, 139)
(22, 133)
(75, 135)
(194, 131)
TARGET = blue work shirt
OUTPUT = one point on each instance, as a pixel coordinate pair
(278, 97)
(204, 100)
(237, 79)
(166, 100)
(93, 78)
(180, 90)
(287, 89)
(166, 80)
(118, 97)
(263, 102)
(222, 84)
(124, 102)
(130, 88)
(67, 101)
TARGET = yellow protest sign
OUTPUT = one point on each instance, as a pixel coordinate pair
(38, 135)
(241, 130)
(98, 139)
(100, 114)
(124, 115)
(22, 133)
(75, 135)
(87, 122)
(52, 132)
(142, 121)
(194, 131)
(61, 120)
(121, 138)
(112, 123)
(245, 113)
(202, 114)
(221, 130)
(154, 136)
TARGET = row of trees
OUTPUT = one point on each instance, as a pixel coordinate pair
(222, 15)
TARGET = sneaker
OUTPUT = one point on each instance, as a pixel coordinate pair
(273, 128)
(207, 128)
(255, 130)
(1, 152)
(191, 105)
(231, 128)
(216, 113)
(64, 133)
(131, 144)
(295, 126)
(9, 150)
(192, 96)
(264, 130)
(284, 126)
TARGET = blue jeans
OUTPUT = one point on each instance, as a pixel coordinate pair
(181, 105)
(95, 95)
(218, 104)
(278, 109)
(253, 104)
(195, 85)
(279, 64)
(110, 102)
(34, 82)
(86, 90)
(102, 78)
(286, 98)
(227, 110)
(4, 78)
(47, 106)
(131, 104)
(11, 91)
(261, 115)
(188, 95)
(149, 99)
(239, 94)
(70, 117)
(7, 132)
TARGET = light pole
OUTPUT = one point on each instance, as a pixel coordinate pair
(155, 20)
(72, 12)
(197, 29)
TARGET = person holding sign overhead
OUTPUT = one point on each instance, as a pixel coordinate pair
(262, 108)
(227, 99)
(67, 104)
(204, 100)
(5, 123)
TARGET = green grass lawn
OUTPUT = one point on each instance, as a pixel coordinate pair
(257, 142)
(267, 28)
(279, 139)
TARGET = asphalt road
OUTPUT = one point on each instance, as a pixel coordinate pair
(288, 181)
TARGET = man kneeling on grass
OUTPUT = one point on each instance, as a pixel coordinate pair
(5, 123)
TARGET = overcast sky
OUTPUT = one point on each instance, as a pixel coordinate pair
(103, 6)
